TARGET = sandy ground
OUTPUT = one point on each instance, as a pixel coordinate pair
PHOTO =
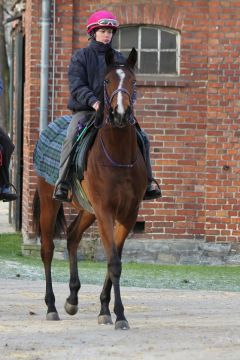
(165, 324)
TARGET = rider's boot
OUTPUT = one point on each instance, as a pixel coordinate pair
(153, 191)
(62, 191)
(6, 194)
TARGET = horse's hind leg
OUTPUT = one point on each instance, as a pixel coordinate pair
(48, 214)
(75, 231)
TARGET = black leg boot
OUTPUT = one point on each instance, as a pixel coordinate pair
(153, 189)
(6, 194)
(62, 190)
(6, 150)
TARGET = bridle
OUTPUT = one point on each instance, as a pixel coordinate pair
(108, 100)
(131, 119)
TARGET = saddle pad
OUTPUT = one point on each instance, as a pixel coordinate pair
(47, 151)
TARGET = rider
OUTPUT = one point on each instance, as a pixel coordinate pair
(86, 74)
(6, 150)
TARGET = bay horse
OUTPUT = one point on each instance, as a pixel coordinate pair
(114, 181)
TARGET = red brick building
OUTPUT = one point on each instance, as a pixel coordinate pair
(192, 117)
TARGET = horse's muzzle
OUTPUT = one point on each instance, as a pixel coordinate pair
(120, 120)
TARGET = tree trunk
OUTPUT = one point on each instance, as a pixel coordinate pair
(4, 73)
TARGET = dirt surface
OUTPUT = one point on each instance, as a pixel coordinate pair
(165, 324)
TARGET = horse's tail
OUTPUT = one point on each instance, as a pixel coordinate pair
(60, 224)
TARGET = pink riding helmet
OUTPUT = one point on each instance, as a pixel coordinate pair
(101, 19)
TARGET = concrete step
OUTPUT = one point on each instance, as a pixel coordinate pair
(5, 227)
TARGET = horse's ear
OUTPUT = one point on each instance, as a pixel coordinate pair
(109, 57)
(132, 58)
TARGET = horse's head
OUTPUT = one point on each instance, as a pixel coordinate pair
(120, 90)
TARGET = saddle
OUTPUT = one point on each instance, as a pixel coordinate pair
(79, 164)
(85, 142)
(79, 161)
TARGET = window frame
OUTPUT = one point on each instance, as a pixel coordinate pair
(158, 50)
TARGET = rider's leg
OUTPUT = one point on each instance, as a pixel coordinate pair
(152, 191)
(63, 184)
(6, 150)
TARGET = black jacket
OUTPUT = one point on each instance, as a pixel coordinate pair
(86, 74)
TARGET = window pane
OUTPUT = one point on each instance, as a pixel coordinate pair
(148, 53)
(148, 62)
(149, 38)
(129, 38)
(125, 53)
(168, 40)
(168, 63)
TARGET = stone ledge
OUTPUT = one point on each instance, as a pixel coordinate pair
(168, 252)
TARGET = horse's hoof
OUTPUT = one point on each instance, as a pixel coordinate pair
(53, 316)
(122, 325)
(70, 309)
(105, 320)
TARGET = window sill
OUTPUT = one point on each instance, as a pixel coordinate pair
(161, 81)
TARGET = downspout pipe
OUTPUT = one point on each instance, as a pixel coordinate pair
(44, 65)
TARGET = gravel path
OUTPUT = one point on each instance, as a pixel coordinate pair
(165, 324)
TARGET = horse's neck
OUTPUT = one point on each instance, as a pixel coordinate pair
(121, 142)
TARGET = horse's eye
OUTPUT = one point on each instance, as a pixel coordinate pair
(106, 81)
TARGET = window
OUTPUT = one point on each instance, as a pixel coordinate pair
(158, 48)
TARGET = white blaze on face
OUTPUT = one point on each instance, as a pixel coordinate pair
(120, 108)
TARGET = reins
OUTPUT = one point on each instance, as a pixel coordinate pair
(113, 162)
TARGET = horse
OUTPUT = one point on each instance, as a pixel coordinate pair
(115, 180)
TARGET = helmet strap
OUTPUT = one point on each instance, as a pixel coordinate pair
(92, 35)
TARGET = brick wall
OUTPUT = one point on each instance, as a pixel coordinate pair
(223, 136)
(192, 120)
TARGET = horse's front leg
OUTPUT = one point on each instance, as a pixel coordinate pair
(113, 248)
(74, 235)
(104, 317)
(115, 270)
